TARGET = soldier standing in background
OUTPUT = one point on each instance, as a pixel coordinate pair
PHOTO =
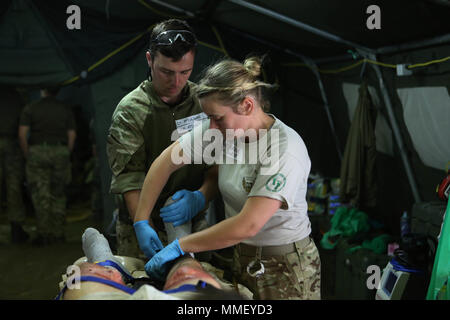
(11, 162)
(51, 128)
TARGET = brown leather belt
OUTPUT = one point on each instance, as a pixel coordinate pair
(248, 250)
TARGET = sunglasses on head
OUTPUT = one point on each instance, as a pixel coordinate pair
(169, 37)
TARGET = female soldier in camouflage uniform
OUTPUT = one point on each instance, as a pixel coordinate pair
(265, 203)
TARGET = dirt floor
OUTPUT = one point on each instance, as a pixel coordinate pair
(33, 273)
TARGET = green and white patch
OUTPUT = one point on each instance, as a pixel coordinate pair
(276, 182)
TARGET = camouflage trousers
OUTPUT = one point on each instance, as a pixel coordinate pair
(48, 172)
(12, 173)
(294, 275)
(127, 244)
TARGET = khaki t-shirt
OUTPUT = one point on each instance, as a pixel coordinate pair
(281, 174)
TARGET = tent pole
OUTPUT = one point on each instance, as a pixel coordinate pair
(396, 131)
(298, 24)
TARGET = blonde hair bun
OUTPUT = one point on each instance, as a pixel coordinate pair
(253, 66)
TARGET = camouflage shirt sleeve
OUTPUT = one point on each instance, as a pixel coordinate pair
(125, 145)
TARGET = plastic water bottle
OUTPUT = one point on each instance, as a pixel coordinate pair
(404, 224)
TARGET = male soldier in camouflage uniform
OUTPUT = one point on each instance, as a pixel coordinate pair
(11, 162)
(51, 127)
(143, 125)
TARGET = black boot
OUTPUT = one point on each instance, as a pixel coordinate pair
(18, 235)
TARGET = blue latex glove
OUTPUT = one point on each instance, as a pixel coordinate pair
(187, 205)
(147, 238)
(157, 266)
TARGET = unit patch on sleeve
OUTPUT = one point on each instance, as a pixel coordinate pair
(276, 182)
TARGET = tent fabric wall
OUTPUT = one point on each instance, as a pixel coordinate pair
(303, 110)
(4, 6)
(27, 53)
(98, 37)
